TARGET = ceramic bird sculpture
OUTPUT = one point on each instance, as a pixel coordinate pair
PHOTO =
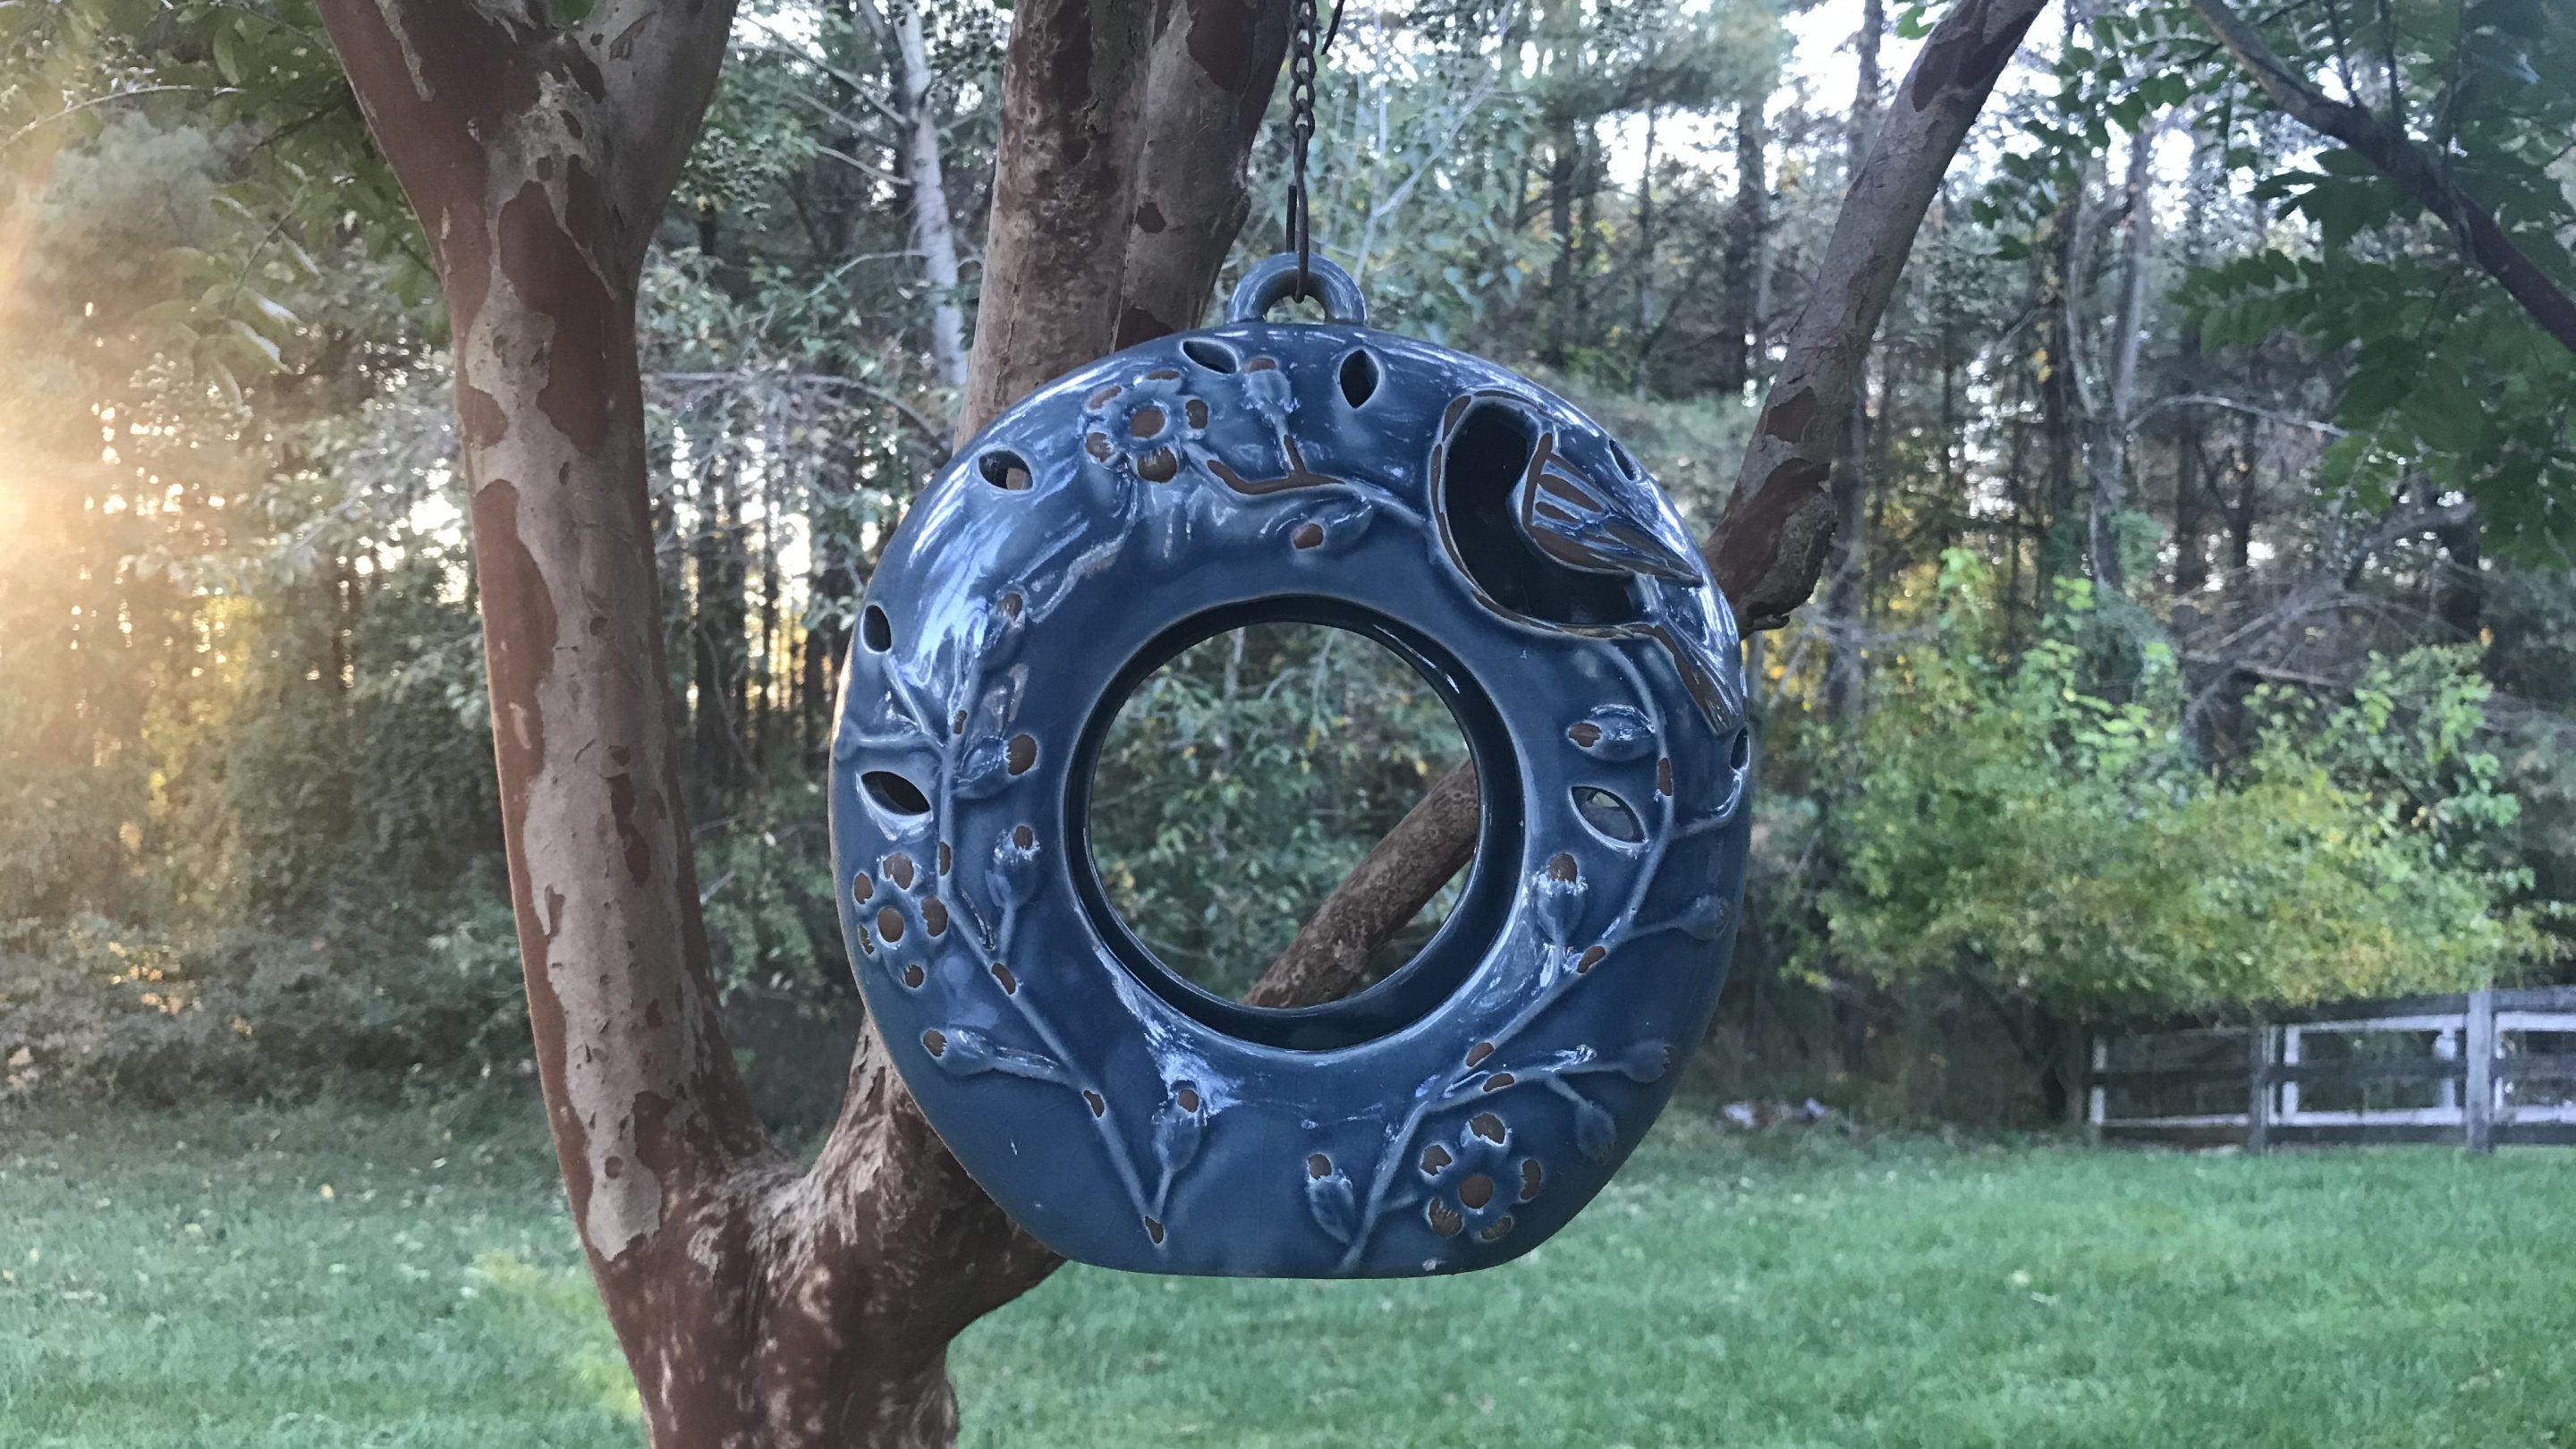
(1563, 545)
(1607, 525)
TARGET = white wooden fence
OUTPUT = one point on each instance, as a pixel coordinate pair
(2484, 1069)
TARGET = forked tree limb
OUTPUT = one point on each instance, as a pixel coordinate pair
(2421, 176)
(758, 1305)
(1770, 541)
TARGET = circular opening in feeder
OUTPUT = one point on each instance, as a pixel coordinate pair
(1237, 734)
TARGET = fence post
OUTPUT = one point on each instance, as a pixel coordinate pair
(2258, 1103)
(2097, 1097)
(2478, 1041)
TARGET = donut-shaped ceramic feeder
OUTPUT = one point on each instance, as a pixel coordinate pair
(1450, 1116)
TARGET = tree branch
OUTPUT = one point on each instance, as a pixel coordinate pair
(1769, 543)
(2398, 158)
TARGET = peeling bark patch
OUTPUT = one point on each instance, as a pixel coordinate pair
(553, 275)
(1790, 418)
(480, 422)
(519, 636)
(632, 840)
(1751, 534)
(623, 46)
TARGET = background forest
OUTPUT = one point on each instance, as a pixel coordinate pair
(2201, 631)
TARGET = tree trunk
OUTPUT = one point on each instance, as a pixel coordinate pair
(2191, 486)
(934, 231)
(2057, 258)
(1213, 64)
(2115, 417)
(1847, 563)
(757, 1306)
(1645, 262)
(1748, 223)
(1564, 168)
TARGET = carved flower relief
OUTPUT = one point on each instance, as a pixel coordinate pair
(1145, 429)
(1475, 1182)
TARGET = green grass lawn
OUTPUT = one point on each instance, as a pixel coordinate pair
(189, 1281)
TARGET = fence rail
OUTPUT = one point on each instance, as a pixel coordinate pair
(2484, 1068)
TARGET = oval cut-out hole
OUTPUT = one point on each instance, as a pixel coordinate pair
(1004, 469)
(1482, 461)
(894, 794)
(1608, 815)
(1360, 376)
(1626, 460)
(875, 629)
(1212, 355)
(1741, 753)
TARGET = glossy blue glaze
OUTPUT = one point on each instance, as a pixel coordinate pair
(1451, 1116)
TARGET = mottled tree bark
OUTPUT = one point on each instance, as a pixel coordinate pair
(759, 1305)
(1769, 543)
(1214, 65)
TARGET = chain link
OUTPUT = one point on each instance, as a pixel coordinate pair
(1301, 133)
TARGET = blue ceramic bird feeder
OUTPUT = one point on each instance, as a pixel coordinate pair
(1450, 1116)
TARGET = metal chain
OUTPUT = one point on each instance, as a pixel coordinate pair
(1301, 133)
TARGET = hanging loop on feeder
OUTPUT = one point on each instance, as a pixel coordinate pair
(1276, 279)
